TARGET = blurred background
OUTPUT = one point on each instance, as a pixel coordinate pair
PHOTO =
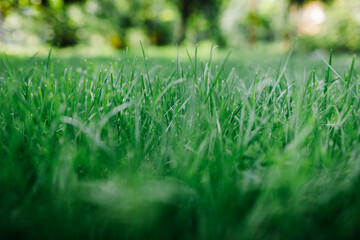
(230, 23)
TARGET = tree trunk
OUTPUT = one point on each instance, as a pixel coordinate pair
(182, 31)
(253, 22)
(2, 33)
(185, 13)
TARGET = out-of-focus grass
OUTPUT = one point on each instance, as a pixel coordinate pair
(168, 145)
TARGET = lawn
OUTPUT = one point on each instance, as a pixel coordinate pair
(165, 144)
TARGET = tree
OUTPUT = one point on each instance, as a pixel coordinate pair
(302, 2)
(54, 13)
(122, 15)
(253, 20)
(293, 9)
(6, 6)
(1, 28)
(210, 8)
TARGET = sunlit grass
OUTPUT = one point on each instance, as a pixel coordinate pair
(181, 145)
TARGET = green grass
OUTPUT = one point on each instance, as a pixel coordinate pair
(251, 146)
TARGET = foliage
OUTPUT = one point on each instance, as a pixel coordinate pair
(124, 15)
(211, 10)
(301, 2)
(129, 14)
(54, 13)
(341, 31)
(166, 22)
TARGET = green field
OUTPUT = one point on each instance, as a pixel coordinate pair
(166, 144)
